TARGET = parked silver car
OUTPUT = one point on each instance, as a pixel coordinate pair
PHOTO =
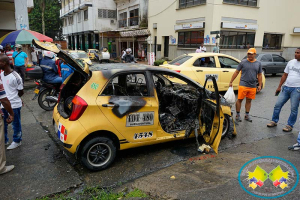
(271, 63)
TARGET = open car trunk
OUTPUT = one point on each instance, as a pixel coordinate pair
(73, 84)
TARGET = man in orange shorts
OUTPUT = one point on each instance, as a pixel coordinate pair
(251, 70)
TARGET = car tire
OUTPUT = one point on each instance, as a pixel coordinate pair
(228, 126)
(98, 153)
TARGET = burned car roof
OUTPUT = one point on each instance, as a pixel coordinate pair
(109, 70)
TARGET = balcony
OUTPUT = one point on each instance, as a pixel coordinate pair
(122, 23)
(133, 21)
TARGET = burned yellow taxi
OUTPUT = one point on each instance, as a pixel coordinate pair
(118, 106)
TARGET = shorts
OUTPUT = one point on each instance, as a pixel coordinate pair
(247, 92)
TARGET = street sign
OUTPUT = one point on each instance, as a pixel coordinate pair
(214, 32)
(149, 40)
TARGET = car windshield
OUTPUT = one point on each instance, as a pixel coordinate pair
(77, 55)
(94, 51)
(180, 60)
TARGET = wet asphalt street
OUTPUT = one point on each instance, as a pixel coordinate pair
(149, 168)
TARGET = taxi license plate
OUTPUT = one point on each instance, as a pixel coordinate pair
(36, 91)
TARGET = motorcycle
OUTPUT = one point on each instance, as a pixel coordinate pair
(47, 93)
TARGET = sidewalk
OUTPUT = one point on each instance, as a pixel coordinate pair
(40, 166)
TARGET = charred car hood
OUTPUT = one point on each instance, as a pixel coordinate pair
(48, 46)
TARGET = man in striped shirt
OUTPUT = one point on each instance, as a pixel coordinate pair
(9, 52)
(6, 104)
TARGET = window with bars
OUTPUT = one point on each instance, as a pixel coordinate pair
(104, 13)
(71, 20)
(79, 17)
(242, 2)
(123, 20)
(190, 39)
(237, 40)
(86, 15)
(134, 17)
(189, 3)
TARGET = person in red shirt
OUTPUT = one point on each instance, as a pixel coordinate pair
(9, 52)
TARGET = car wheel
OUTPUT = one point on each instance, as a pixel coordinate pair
(98, 153)
(274, 74)
(228, 126)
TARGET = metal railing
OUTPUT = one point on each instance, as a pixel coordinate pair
(122, 23)
(133, 21)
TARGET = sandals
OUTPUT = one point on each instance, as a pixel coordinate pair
(287, 128)
(271, 124)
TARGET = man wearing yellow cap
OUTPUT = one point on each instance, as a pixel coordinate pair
(251, 70)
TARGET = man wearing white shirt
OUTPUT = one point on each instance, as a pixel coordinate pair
(202, 48)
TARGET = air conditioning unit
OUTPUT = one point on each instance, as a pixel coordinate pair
(112, 21)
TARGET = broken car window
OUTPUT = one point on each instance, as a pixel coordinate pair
(127, 85)
(179, 103)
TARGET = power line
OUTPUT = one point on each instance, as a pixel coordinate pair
(163, 10)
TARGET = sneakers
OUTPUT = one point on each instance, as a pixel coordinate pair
(8, 169)
(6, 143)
(248, 118)
(238, 118)
(13, 145)
(295, 147)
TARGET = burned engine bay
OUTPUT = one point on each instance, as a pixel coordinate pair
(180, 106)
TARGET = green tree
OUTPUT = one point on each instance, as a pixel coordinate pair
(45, 18)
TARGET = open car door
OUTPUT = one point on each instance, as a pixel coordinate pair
(211, 116)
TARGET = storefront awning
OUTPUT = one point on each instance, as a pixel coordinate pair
(142, 32)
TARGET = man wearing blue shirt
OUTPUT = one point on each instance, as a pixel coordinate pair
(19, 61)
(49, 69)
(66, 70)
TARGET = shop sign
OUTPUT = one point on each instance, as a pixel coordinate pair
(142, 39)
(239, 26)
(189, 26)
(151, 58)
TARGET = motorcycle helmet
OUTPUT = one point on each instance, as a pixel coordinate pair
(49, 54)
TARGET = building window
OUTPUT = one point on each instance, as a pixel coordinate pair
(86, 15)
(134, 17)
(123, 20)
(111, 14)
(242, 2)
(191, 39)
(237, 40)
(71, 20)
(79, 16)
(189, 3)
(272, 41)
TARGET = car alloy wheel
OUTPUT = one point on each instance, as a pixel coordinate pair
(98, 153)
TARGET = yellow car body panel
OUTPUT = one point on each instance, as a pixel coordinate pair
(199, 74)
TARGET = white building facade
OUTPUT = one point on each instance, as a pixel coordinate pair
(14, 15)
(83, 19)
(178, 27)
